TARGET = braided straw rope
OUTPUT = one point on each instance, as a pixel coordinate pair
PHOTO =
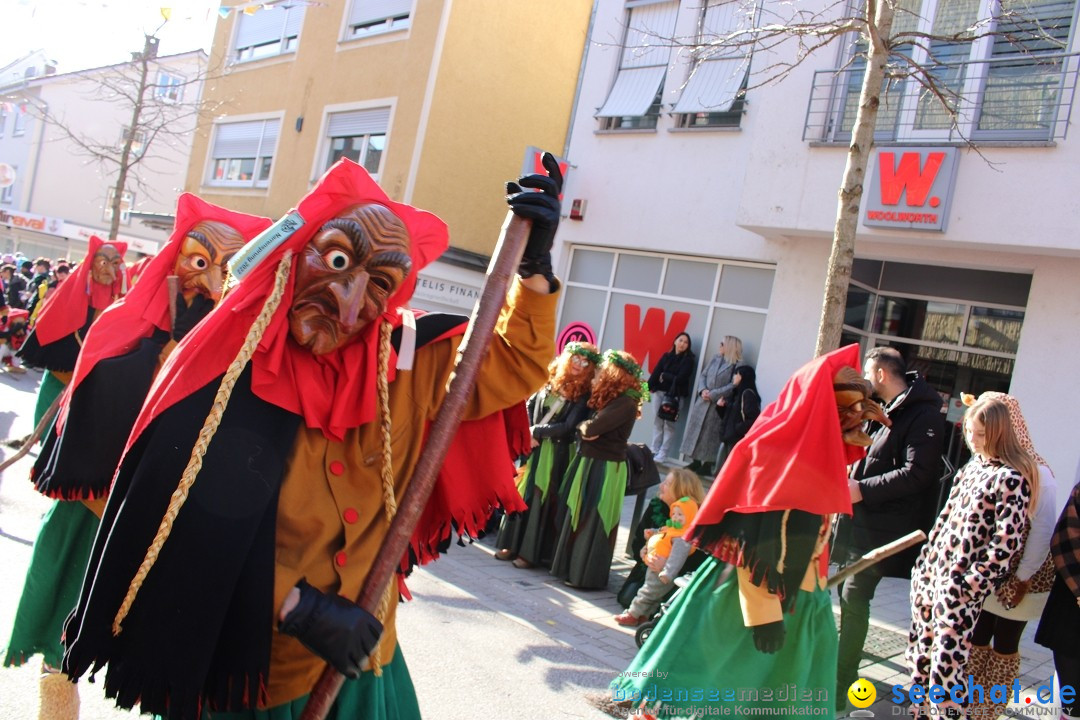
(387, 474)
(210, 426)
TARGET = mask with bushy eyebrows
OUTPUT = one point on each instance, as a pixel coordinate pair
(346, 275)
(855, 406)
(204, 254)
(107, 265)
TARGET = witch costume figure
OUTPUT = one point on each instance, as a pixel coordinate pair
(56, 338)
(554, 414)
(756, 615)
(331, 383)
(595, 482)
(119, 356)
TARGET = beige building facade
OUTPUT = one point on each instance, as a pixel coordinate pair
(438, 99)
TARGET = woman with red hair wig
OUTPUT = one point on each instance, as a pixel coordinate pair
(594, 485)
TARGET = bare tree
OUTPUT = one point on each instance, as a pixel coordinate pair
(884, 32)
(162, 107)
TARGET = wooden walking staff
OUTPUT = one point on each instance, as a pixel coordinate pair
(875, 556)
(471, 353)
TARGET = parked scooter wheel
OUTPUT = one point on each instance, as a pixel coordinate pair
(643, 632)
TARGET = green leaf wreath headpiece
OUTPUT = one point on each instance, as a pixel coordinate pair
(576, 348)
(640, 393)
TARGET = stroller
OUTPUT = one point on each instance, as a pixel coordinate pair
(646, 628)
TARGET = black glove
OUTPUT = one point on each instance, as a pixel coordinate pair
(769, 638)
(337, 630)
(543, 209)
(189, 317)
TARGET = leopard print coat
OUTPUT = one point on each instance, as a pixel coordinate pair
(968, 553)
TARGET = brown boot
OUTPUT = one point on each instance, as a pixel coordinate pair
(976, 663)
(59, 697)
(999, 670)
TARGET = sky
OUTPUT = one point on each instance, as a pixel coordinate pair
(80, 34)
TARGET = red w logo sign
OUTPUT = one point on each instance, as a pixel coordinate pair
(908, 176)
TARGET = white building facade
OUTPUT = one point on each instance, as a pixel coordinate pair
(55, 196)
(700, 205)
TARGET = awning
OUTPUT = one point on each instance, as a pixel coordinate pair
(634, 91)
(713, 86)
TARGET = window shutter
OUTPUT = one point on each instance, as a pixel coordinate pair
(1039, 26)
(649, 35)
(358, 122)
(633, 92)
(241, 139)
(365, 11)
(268, 25)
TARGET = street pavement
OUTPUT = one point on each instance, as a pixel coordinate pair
(480, 636)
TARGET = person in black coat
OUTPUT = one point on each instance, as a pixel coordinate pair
(893, 492)
(741, 411)
(671, 378)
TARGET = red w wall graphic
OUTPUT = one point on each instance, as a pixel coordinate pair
(648, 339)
(907, 175)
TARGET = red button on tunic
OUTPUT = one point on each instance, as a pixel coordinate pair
(337, 467)
(339, 559)
(351, 515)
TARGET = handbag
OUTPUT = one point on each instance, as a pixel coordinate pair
(669, 408)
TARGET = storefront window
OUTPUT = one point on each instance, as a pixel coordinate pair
(742, 285)
(993, 329)
(592, 267)
(919, 319)
(639, 272)
(860, 303)
(690, 279)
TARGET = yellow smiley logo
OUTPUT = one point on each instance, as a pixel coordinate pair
(862, 693)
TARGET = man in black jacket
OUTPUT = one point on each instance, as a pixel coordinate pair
(893, 492)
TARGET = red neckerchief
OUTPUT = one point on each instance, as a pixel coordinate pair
(135, 316)
(332, 392)
(794, 457)
(65, 310)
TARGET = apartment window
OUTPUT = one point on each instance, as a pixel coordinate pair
(127, 202)
(8, 173)
(270, 31)
(243, 153)
(714, 95)
(1007, 84)
(138, 143)
(169, 88)
(359, 135)
(371, 17)
(635, 97)
(19, 126)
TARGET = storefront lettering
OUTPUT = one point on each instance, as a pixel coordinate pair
(23, 221)
(649, 338)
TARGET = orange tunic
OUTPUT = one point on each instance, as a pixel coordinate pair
(331, 520)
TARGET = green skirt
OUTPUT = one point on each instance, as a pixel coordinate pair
(701, 655)
(52, 583)
(49, 388)
(593, 494)
(390, 697)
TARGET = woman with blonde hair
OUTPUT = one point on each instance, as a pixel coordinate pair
(594, 485)
(971, 547)
(701, 438)
(995, 642)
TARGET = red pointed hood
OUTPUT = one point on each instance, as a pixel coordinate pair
(65, 310)
(332, 392)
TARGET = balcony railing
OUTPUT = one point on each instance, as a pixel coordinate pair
(1019, 98)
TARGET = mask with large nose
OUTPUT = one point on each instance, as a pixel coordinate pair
(107, 265)
(203, 256)
(346, 275)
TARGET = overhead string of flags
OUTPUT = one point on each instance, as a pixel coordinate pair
(249, 8)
